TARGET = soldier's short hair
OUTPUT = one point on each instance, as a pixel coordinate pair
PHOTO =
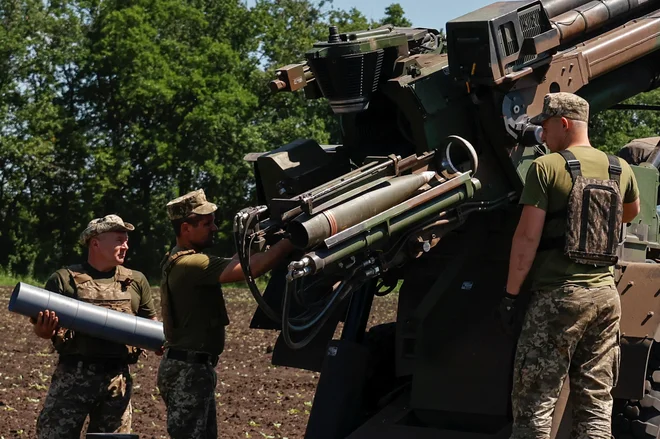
(193, 220)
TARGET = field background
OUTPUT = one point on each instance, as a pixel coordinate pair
(255, 399)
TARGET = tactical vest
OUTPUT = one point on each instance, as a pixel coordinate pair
(594, 216)
(206, 332)
(115, 295)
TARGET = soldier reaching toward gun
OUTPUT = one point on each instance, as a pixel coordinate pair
(575, 201)
(194, 315)
(92, 376)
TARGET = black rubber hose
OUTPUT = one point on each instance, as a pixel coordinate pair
(244, 259)
(286, 334)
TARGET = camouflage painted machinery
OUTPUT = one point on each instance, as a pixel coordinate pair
(423, 194)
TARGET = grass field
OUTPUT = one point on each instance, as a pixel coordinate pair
(9, 280)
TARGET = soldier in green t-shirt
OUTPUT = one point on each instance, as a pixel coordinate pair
(571, 327)
(96, 371)
(194, 315)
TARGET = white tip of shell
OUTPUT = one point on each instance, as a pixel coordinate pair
(428, 175)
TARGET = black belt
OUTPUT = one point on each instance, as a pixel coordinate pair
(100, 363)
(192, 357)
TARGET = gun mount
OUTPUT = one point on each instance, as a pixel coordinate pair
(422, 194)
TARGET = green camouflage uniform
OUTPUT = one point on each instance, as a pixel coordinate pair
(80, 391)
(572, 323)
(92, 377)
(194, 320)
(570, 331)
(188, 391)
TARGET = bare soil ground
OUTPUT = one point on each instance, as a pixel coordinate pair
(255, 399)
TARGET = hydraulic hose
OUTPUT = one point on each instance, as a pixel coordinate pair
(286, 333)
(243, 249)
(321, 313)
(244, 259)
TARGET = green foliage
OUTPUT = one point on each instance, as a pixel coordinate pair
(10, 280)
(612, 129)
(172, 105)
(40, 153)
(395, 16)
(118, 106)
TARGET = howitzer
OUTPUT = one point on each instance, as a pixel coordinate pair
(412, 102)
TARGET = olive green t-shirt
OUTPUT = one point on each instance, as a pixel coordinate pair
(547, 187)
(142, 302)
(195, 303)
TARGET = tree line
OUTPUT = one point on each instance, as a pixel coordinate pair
(117, 106)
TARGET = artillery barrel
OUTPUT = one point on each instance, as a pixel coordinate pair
(637, 77)
(319, 259)
(309, 232)
(558, 7)
(87, 318)
(622, 45)
(592, 15)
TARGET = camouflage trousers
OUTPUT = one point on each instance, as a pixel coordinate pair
(77, 391)
(188, 391)
(570, 332)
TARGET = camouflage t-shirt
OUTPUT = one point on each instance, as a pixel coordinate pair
(195, 304)
(142, 302)
(547, 187)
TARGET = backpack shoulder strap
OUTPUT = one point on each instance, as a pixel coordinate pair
(614, 168)
(572, 163)
(170, 259)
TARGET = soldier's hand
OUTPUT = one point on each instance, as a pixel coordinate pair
(45, 324)
(507, 312)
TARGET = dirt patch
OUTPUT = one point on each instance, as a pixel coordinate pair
(255, 399)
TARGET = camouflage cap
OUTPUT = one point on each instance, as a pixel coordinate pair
(563, 104)
(186, 205)
(109, 223)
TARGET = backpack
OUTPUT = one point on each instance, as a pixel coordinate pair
(594, 216)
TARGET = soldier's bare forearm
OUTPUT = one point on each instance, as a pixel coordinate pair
(523, 247)
(264, 262)
(522, 256)
(259, 263)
